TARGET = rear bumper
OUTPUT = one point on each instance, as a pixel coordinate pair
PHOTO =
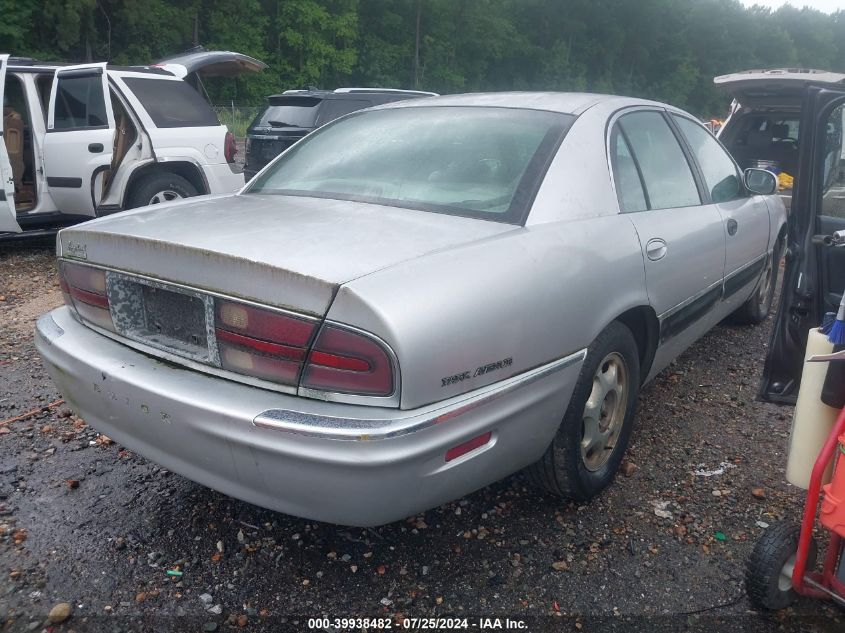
(347, 464)
(222, 178)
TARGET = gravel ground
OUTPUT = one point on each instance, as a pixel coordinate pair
(86, 522)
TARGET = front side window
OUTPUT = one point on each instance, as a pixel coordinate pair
(80, 103)
(482, 162)
(717, 167)
(666, 173)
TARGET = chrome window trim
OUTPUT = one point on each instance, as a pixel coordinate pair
(369, 429)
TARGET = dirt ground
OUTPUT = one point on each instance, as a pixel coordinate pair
(86, 522)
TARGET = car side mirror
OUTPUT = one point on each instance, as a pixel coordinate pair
(760, 181)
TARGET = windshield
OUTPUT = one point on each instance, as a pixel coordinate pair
(483, 162)
(289, 112)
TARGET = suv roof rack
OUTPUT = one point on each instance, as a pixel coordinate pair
(396, 90)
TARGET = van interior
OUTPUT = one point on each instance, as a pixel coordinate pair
(768, 140)
(17, 133)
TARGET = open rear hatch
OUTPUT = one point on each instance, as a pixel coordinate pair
(775, 87)
(205, 63)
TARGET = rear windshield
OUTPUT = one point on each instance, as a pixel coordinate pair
(482, 162)
(289, 112)
(172, 103)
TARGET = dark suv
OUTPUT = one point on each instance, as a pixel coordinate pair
(294, 113)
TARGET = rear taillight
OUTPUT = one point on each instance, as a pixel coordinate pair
(230, 147)
(84, 290)
(261, 343)
(277, 347)
(348, 362)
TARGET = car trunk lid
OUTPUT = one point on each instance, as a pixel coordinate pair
(775, 87)
(284, 251)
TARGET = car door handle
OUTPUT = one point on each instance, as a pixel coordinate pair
(733, 226)
(95, 148)
(655, 249)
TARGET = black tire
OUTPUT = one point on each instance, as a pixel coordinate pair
(563, 469)
(149, 186)
(758, 306)
(763, 583)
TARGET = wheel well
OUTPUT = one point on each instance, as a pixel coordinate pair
(643, 323)
(188, 171)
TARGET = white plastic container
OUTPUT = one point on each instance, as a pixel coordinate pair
(813, 420)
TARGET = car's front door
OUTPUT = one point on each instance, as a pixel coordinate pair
(683, 240)
(8, 221)
(815, 266)
(80, 135)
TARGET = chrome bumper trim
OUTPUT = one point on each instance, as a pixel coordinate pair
(337, 428)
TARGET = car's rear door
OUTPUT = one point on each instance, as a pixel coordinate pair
(8, 221)
(80, 136)
(815, 270)
(682, 236)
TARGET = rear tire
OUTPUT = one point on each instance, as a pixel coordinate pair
(588, 447)
(758, 306)
(159, 187)
(768, 572)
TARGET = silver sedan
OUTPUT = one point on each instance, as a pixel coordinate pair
(416, 301)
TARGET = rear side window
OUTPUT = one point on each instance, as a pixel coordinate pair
(80, 103)
(666, 173)
(172, 103)
(716, 165)
(629, 187)
(290, 112)
(335, 108)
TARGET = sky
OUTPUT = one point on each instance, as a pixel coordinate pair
(828, 6)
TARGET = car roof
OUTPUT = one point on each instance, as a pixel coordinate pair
(26, 64)
(564, 102)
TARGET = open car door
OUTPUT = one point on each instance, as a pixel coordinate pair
(8, 215)
(815, 266)
(80, 136)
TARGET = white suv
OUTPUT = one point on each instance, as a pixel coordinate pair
(88, 140)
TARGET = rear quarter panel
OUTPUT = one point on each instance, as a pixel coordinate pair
(523, 298)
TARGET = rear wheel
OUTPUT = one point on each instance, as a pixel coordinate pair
(586, 452)
(158, 188)
(768, 573)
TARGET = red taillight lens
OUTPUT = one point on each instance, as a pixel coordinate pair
(84, 290)
(261, 343)
(230, 147)
(348, 362)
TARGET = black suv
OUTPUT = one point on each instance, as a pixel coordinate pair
(294, 113)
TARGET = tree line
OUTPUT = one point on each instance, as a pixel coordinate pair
(668, 50)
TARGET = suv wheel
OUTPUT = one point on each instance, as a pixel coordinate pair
(160, 187)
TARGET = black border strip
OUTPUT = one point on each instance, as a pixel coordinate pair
(67, 183)
(738, 279)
